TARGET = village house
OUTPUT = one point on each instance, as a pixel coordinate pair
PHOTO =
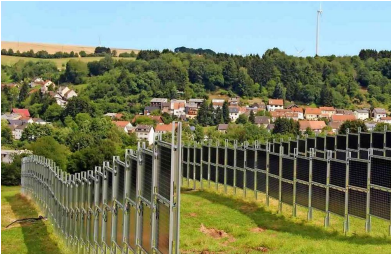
(344, 112)
(191, 110)
(156, 119)
(328, 111)
(222, 128)
(149, 109)
(335, 126)
(299, 111)
(164, 128)
(177, 107)
(315, 126)
(342, 118)
(17, 130)
(274, 104)
(284, 114)
(157, 102)
(386, 119)
(370, 125)
(361, 114)
(312, 113)
(235, 101)
(145, 132)
(124, 125)
(378, 113)
(66, 93)
(217, 103)
(198, 102)
(234, 113)
(262, 121)
(45, 86)
(21, 111)
(11, 116)
(7, 156)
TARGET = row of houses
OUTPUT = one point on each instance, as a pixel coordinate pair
(18, 120)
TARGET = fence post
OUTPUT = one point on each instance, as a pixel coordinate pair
(346, 216)
(368, 217)
(225, 166)
(295, 183)
(280, 178)
(310, 208)
(267, 154)
(216, 165)
(256, 146)
(235, 167)
(327, 214)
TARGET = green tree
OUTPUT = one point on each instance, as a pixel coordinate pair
(53, 112)
(34, 131)
(78, 105)
(75, 72)
(352, 126)
(199, 133)
(6, 133)
(326, 97)
(279, 92)
(225, 112)
(379, 127)
(23, 92)
(218, 116)
(242, 119)
(51, 149)
(252, 117)
(286, 126)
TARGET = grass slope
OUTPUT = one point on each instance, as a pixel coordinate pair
(35, 237)
(60, 62)
(253, 228)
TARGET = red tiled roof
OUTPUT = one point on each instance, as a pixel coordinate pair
(118, 116)
(314, 125)
(342, 118)
(178, 105)
(121, 124)
(312, 111)
(21, 111)
(275, 102)
(299, 110)
(327, 108)
(157, 119)
(385, 118)
(164, 127)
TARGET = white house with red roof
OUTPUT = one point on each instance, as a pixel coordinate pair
(21, 111)
(274, 104)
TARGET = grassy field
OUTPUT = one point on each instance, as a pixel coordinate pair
(213, 222)
(35, 237)
(60, 62)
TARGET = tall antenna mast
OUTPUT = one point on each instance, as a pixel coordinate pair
(317, 31)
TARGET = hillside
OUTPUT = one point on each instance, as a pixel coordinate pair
(212, 222)
(53, 48)
(60, 62)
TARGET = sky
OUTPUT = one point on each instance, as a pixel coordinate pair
(231, 27)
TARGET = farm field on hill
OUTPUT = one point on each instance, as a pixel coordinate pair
(53, 48)
(60, 62)
(212, 222)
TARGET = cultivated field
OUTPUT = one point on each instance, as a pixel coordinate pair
(60, 62)
(53, 48)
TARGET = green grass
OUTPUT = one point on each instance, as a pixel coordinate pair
(60, 62)
(35, 237)
(281, 233)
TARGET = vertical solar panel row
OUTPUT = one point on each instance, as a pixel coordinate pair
(128, 206)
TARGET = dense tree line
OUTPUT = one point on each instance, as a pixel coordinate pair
(39, 54)
(198, 51)
(342, 82)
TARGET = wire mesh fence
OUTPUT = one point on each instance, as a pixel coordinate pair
(346, 175)
(129, 206)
